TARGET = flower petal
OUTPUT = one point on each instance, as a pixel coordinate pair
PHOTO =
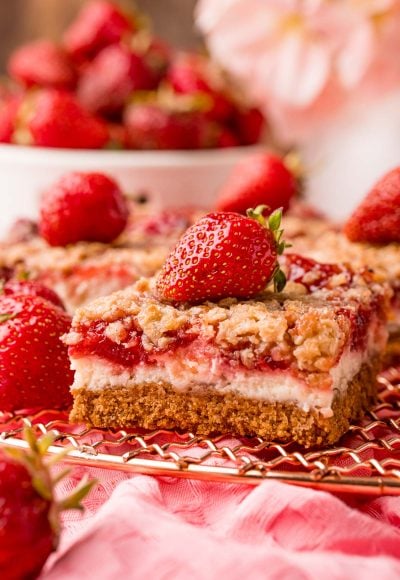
(300, 70)
(356, 56)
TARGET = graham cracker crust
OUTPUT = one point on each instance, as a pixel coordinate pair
(160, 406)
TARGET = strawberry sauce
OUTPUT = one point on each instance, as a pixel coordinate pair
(95, 342)
(311, 274)
(128, 353)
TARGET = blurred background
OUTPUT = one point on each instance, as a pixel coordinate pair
(23, 20)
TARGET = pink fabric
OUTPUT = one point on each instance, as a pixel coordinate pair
(167, 528)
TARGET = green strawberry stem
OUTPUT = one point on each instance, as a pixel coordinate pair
(272, 223)
(42, 480)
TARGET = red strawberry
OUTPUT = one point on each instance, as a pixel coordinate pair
(42, 63)
(29, 512)
(83, 207)
(32, 288)
(261, 178)
(249, 125)
(56, 119)
(34, 364)
(150, 126)
(224, 254)
(225, 138)
(25, 523)
(187, 74)
(111, 77)
(98, 25)
(191, 74)
(377, 218)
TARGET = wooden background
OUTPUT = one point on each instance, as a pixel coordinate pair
(22, 20)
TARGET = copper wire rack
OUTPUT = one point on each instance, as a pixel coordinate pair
(366, 460)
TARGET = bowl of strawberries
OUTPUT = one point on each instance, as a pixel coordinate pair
(111, 96)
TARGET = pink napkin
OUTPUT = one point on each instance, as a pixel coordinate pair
(167, 528)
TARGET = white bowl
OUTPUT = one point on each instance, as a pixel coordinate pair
(167, 178)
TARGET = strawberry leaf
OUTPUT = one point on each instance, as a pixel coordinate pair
(281, 247)
(257, 214)
(279, 280)
(42, 487)
(29, 436)
(34, 459)
(45, 441)
(57, 478)
(73, 501)
(273, 223)
(274, 220)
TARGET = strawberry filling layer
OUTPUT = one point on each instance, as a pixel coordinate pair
(128, 353)
(131, 351)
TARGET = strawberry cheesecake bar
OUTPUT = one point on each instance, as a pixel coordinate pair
(298, 365)
(82, 271)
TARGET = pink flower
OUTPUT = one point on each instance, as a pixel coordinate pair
(305, 60)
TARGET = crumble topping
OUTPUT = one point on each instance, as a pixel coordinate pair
(155, 321)
(37, 257)
(310, 328)
(317, 340)
(298, 226)
(117, 331)
(333, 247)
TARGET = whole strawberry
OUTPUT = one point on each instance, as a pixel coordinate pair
(108, 81)
(192, 74)
(42, 63)
(249, 125)
(82, 207)
(224, 137)
(32, 288)
(224, 255)
(29, 512)
(34, 364)
(377, 218)
(55, 119)
(261, 178)
(151, 126)
(98, 25)
(25, 523)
